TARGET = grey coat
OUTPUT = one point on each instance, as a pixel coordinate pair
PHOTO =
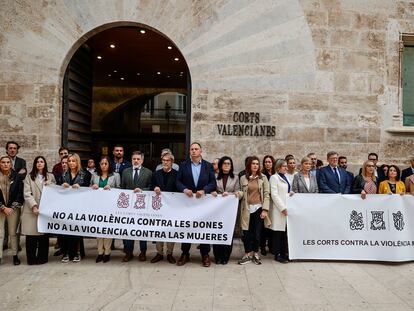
(299, 184)
(114, 180)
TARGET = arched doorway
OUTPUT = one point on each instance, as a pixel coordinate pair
(127, 85)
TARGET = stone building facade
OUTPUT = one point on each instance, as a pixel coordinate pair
(322, 74)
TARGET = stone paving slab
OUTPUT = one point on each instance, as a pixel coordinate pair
(135, 285)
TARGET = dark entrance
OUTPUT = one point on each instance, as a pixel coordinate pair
(127, 85)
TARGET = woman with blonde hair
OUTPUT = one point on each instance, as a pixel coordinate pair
(366, 182)
(37, 244)
(304, 181)
(75, 177)
(393, 185)
(11, 200)
(105, 178)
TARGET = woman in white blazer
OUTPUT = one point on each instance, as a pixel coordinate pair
(105, 178)
(279, 190)
(37, 244)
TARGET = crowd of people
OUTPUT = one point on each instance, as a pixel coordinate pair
(262, 188)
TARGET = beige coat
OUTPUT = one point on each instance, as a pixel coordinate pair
(264, 194)
(232, 185)
(409, 184)
(278, 192)
(32, 193)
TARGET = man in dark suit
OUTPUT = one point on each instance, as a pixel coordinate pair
(195, 177)
(331, 178)
(343, 163)
(164, 179)
(408, 171)
(119, 163)
(136, 178)
(18, 164)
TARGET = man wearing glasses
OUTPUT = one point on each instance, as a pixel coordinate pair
(332, 178)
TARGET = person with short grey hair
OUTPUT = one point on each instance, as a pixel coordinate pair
(332, 178)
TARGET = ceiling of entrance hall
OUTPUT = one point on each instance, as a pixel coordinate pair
(136, 57)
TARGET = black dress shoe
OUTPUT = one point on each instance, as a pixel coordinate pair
(183, 260)
(16, 260)
(224, 262)
(58, 253)
(99, 258)
(281, 259)
(171, 259)
(106, 258)
(157, 258)
(218, 261)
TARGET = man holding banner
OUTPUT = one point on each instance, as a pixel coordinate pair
(164, 179)
(136, 178)
(195, 177)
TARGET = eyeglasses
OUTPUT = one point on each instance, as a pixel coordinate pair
(370, 165)
(313, 158)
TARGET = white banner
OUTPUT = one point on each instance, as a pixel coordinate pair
(345, 227)
(122, 214)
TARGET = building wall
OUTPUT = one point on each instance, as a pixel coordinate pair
(323, 72)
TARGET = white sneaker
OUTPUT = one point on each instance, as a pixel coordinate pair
(76, 258)
(65, 258)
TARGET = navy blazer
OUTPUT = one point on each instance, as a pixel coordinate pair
(206, 182)
(327, 181)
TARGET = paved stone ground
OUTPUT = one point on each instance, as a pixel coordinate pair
(162, 286)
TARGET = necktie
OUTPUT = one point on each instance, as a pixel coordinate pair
(136, 174)
(336, 174)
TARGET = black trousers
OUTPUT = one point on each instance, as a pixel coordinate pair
(266, 238)
(204, 249)
(251, 237)
(280, 243)
(222, 252)
(37, 249)
(70, 245)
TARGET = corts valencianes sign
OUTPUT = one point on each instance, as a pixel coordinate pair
(246, 124)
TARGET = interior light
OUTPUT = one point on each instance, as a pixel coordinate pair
(169, 47)
(109, 75)
(99, 57)
(112, 46)
(138, 74)
(122, 79)
(142, 31)
(176, 59)
(158, 72)
(115, 71)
